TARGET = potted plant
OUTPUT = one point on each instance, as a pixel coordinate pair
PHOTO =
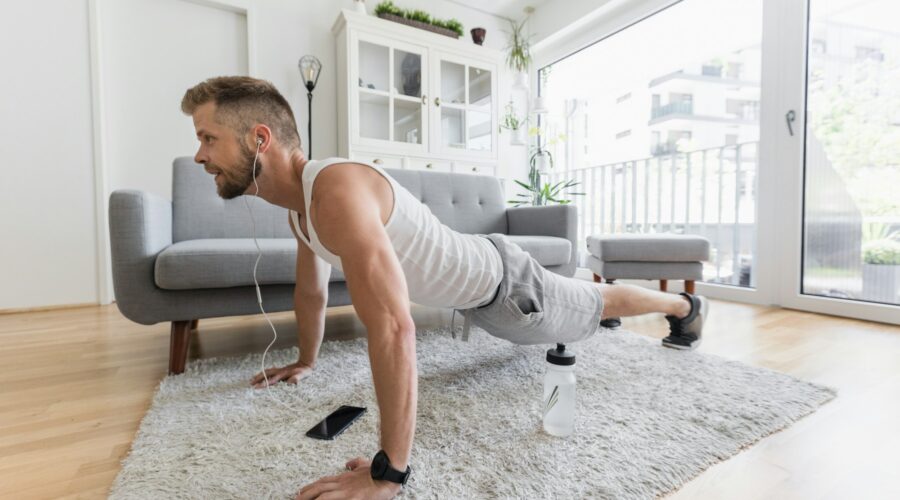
(538, 193)
(518, 55)
(881, 270)
(418, 19)
(512, 122)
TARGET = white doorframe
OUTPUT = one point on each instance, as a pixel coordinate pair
(98, 116)
(792, 20)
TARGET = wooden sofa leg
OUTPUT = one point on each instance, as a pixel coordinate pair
(689, 286)
(597, 279)
(178, 346)
(194, 324)
(663, 285)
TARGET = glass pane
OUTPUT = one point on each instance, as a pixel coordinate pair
(407, 73)
(479, 87)
(851, 244)
(408, 121)
(453, 128)
(373, 66)
(664, 135)
(453, 84)
(479, 131)
(373, 116)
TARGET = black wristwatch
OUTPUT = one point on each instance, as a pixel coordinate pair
(381, 470)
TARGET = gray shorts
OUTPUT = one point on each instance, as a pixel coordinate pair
(536, 306)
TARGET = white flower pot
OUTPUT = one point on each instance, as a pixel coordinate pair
(881, 282)
(539, 105)
(520, 81)
(542, 163)
(519, 136)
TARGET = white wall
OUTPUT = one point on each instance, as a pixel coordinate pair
(48, 229)
(47, 232)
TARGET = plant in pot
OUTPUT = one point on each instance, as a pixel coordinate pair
(518, 52)
(881, 265)
(539, 193)
(515, 124)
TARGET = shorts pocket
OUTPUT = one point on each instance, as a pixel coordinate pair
(524, 308)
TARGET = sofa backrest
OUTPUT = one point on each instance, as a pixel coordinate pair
(466, 203)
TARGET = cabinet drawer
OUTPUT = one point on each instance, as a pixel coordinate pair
(473, 168)
(380, 160)
(434, 165)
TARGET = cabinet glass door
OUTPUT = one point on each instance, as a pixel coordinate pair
(390, 94)
(466, 103)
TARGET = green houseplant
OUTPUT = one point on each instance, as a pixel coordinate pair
(418, 19)
(514, 123)
(537, 192)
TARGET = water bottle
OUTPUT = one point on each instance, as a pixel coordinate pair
(559, 392)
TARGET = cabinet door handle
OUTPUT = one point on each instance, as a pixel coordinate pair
(429, 165)
(424, 100)
(437, 101)
(474, 169)
(377, 161)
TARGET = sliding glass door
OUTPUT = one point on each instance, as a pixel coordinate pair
(771, 127)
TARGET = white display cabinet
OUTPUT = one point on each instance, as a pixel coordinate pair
(408, 98)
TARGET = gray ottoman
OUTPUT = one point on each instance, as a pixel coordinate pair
(660, 257)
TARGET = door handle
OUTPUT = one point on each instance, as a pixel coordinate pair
(789, 118)
(437, 101)
(424, 100)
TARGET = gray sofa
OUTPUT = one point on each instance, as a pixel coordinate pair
(192, 258)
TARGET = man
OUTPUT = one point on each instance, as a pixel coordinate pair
(392, 249)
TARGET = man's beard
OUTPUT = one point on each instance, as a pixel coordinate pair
(232, 187)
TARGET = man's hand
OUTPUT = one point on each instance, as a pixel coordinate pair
(291, 374)
(356, 484)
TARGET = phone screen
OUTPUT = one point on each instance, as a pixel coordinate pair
(334, 424)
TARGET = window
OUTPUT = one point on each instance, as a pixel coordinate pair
(623, 134)
(623, 98)
(870, 53)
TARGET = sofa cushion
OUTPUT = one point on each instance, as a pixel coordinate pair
(648, 247)
(223, 263)
(547, 250)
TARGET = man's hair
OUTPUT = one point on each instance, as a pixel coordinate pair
(241, 102)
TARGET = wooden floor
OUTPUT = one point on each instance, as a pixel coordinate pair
(77, 382)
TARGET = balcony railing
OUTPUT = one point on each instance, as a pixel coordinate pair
(673, 108)
(709, 192)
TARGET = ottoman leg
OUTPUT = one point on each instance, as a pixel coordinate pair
(663, 285)
(609, 322)
(689, 286)
(597, 279)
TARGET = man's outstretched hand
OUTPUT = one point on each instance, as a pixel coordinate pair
(355, 484)
(291, 374)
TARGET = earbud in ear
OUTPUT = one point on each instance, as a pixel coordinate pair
(259, 141)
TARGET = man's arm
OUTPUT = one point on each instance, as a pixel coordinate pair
(310, 301)
(350, 206)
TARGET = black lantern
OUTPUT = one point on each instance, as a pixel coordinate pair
(310, 68)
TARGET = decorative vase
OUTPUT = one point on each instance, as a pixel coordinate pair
(478, 35)
(542, 163)
(518, 136)
(360, 6)
(520, 81)
(539, 105)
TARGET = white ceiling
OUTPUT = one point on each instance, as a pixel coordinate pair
(511, 9)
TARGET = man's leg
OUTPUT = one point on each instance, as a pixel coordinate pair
(629, 300)
(685, 313)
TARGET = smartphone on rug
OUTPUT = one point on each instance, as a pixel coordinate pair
(333, 425)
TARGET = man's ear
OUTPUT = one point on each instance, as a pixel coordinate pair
(261, 138)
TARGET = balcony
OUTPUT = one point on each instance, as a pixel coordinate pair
(710, 192)
(673, 108)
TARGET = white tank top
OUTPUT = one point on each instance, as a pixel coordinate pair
(443, 268)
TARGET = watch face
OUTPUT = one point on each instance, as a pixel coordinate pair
(379, 465)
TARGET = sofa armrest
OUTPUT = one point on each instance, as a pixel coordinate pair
(549, 220)
(140, 226)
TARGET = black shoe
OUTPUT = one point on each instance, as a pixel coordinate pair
(686, 333)
(611, 323)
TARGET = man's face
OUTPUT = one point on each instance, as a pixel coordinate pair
(222, 154)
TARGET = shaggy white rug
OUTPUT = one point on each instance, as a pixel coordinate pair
(648, 420)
